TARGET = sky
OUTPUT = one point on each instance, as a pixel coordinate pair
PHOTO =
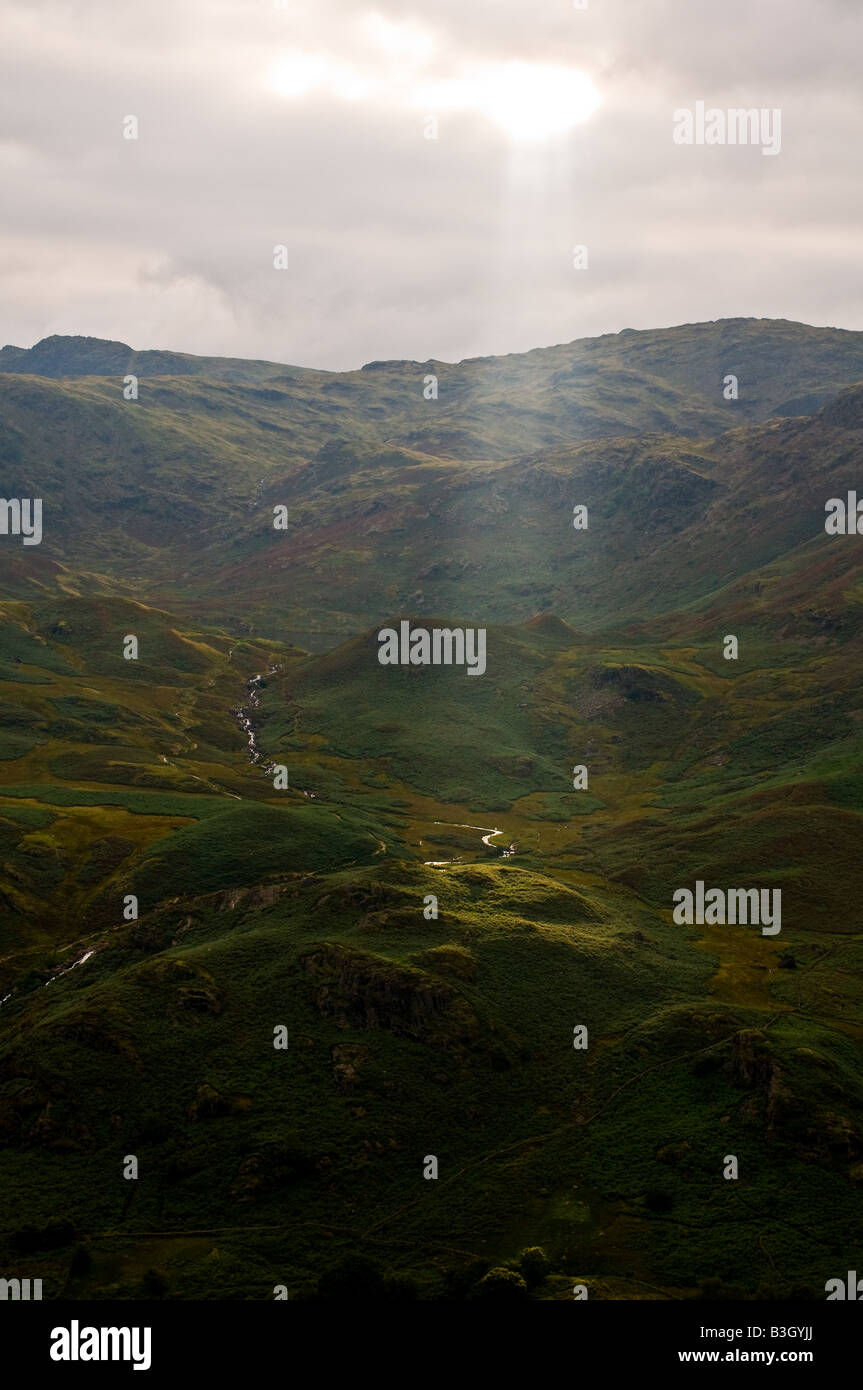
(429, 168)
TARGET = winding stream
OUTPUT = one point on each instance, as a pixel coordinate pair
(486, 840)
(243, 715)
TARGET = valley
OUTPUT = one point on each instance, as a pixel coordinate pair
(429, 906)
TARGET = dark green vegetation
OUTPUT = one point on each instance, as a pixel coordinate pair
(304, 907)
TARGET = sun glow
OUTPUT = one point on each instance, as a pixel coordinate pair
(406, 42)
(528, 101)
(298, 74)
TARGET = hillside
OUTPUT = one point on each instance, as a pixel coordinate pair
(308, 907)
(668, 470)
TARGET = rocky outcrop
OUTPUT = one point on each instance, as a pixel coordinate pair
(210, 1104)
(816, 1135)
(364, 991)
(347, 1059)
(753, 1066)
(188, 988)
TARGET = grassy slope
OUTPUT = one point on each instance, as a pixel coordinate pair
(411, 1036)
(452, 1036)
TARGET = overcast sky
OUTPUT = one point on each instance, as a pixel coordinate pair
(305, 125)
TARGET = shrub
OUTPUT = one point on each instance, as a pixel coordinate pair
(534, 1265)
(502, 1285)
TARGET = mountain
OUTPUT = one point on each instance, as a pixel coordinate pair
(422, 898)
(783, 368)
(63, 356)
(478, 499)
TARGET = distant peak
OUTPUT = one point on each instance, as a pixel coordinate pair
(78, 340)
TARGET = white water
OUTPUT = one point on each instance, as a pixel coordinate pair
(65, 971)
(79, 961)
(459, 825)
(243, 716)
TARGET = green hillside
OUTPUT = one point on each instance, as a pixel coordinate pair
(429, 907)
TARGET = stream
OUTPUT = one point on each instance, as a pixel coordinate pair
(56, 976)
(487, 838)
(243, 715)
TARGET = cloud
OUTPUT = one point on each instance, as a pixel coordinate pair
(307, 125)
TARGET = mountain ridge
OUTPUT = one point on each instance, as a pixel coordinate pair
(50, 350)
